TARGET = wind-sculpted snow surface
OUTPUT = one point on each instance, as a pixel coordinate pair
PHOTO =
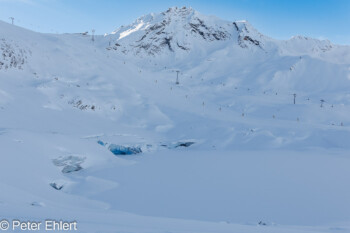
(239, 132)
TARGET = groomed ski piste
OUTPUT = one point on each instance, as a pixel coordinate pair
(178, 122)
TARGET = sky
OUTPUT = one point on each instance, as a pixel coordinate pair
(280, 19)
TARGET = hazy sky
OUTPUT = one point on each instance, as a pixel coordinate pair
(279, 19)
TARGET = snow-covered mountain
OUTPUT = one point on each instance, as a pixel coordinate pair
(182, 30)
(253, 132)
(176, 30)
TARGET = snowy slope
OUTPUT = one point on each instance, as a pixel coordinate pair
(252, 155)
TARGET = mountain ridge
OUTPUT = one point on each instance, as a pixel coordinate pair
(180, 30)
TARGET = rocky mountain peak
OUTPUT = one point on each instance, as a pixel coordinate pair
(177, 29)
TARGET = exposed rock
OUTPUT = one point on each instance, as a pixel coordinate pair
(177, 144)
(38, 204)
(69, 163)
(71, 168)
(78, 103)
(184, 144)
(56, 186)
(174, 29)
(12, 56)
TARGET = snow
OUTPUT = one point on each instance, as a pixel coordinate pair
(222, 151)
(128, 32)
